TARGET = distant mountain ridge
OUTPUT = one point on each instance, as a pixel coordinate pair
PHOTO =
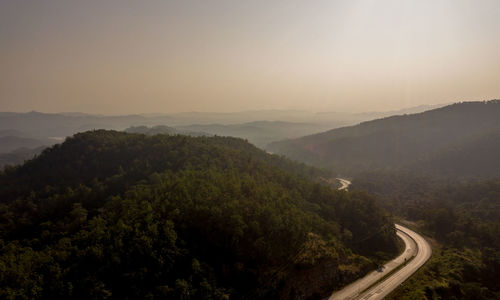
(161, 129)
(19, 156)
(258, 127)
(11, 143)
(413, 141)
(259, 133)
(37, 124)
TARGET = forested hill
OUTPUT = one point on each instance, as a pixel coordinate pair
(446, 137)
(115, 215)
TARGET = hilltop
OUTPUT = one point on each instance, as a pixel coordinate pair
(109, 214)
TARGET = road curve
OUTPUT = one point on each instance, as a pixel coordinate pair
(364, 288)
(374, 286)
(344, 183)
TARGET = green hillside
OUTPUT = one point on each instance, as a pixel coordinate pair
(114, 215)
(457, 132)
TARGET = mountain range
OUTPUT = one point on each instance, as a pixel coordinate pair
(461, 139)
(23, 133)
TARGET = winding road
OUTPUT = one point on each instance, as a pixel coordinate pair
(344, 183)
(378, 284)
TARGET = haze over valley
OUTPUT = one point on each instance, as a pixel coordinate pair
(26, 134)
(250, 150)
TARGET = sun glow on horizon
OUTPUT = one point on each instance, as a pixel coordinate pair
(122, 57)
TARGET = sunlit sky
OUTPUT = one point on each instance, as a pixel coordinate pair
(118, 56)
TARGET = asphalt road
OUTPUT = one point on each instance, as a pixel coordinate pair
(374, 286)
(423, 253)
(344, 182)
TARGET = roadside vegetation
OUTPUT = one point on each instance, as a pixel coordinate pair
(463, 219)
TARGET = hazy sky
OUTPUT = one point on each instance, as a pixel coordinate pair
(120, 56)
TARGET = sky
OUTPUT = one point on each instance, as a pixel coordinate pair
(120, 56)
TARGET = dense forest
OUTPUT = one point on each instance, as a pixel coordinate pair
(464, 220)
(439, 170)
(115, 215)
(459, 140)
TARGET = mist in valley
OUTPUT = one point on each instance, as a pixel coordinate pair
(249, 150)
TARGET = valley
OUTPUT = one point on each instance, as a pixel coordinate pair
(248, 150)
(281, 228)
